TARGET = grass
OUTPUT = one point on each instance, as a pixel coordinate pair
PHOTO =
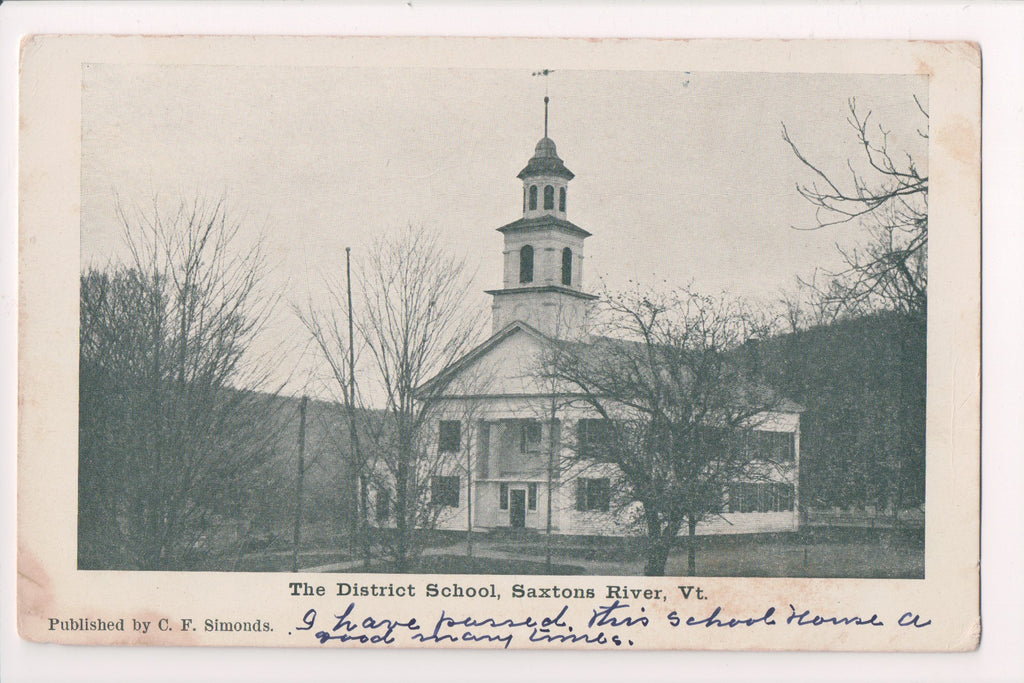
(798, 558)
(460, 564)
(429, 564)
(822, 552)
(276, 561)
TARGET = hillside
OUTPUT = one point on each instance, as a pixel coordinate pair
(863, 384)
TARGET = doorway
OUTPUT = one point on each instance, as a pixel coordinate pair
(517, 509)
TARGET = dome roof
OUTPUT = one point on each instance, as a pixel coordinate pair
(545, 161)
(545, 148)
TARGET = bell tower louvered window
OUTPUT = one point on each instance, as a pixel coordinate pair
(526, 264)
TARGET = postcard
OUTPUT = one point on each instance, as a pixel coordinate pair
(499, 343)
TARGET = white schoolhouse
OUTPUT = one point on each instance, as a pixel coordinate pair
(499, 428)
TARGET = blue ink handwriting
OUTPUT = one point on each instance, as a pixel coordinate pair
(806, 619)
(713, 620)
(911, 619)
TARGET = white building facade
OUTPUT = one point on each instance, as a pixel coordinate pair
(503, 436)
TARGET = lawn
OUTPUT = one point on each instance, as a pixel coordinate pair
(821, 552)
(275, 561)
(797, 557)
(460, 564)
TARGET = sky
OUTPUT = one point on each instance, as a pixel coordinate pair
(680, 176)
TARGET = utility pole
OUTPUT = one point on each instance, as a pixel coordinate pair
(298, 485)
(360, 522)
(469, 487)
(552, 448)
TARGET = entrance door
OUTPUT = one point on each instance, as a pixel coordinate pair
(517, 509)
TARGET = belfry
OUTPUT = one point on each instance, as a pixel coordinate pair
(543, 253)
(513, 450)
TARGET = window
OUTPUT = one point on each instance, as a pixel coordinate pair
(526, 263)
(449, 437)
(531, 496)
(561, 199)
(593, 494)
(742, 498)
(503, 497)
(567, 266)
(533, 197)
(524, 199)
(444, 491)
(714, 441)
(753, 443)
(768, 446)
(594, 437)
(549, 197)
(529, 436)
(782, 445)
(760, 497)
(716, 503)
(383, 505)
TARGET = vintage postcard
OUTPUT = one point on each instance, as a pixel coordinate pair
(499, 343)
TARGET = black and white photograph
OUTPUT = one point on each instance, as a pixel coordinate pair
(477, 321)
(499, 343)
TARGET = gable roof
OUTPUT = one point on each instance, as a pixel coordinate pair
(782, 404)
(448, 373)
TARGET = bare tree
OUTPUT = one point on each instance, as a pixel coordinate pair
(415, 322)
(328, 329)
(885, 195)
(674, 403)
(461, 398)
(300, 475)
(172, 429)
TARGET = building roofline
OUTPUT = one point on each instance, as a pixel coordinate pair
(479, 350)
(542, 166)
(785, 406)
(542, 288)
(540, 222)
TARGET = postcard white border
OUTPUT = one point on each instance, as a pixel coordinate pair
(875, 22)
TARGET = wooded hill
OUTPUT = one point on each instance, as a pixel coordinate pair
(863, 383)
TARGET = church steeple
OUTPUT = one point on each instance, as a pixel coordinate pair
(543, 254)
(545, 178)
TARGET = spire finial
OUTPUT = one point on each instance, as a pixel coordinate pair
(545, 73)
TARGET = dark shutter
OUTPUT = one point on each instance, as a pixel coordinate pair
(787, 497)
(444, 491)
(449, 436)
(453, 491)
